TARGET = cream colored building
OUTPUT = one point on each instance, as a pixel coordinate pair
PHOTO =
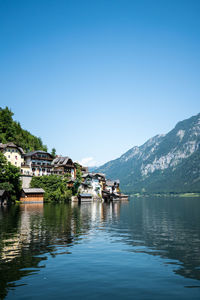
(13, 154)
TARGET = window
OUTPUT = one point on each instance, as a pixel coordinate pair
(8, 156)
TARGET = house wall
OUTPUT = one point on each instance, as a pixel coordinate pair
(26, 180)
(40, 169)
(13, 155)
(37, 198)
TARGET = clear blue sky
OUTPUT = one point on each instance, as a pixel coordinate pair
(94, 78)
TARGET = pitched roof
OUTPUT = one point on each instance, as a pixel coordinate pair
(61, 160)
(87, 175)
(110, 183)
(99, 175)
(85, 195)
(11, 145)
(35, 152)
(33, 191)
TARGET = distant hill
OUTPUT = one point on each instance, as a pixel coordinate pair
(11, 131)
(165, 163)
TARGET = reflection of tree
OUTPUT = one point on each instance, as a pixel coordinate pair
(27, 232)
(169, 228)
(30, 231)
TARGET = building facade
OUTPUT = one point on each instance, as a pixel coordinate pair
(63, 165)
(13, 154)
(39, 162)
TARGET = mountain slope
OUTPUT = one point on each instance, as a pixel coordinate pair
(11, 131)
(165, 163)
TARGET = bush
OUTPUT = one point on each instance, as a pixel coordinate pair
(55, 187)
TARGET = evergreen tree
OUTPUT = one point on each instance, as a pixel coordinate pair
(53, 152)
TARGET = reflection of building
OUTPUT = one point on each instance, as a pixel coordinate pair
(100, 212)
(39, 162)
(12, 247)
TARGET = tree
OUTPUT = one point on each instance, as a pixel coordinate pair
(55, 187)
(10, 178)
(11, 131)
(78, 180)
(53, 152)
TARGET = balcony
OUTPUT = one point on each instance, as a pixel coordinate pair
(41, 158)
(35, 165)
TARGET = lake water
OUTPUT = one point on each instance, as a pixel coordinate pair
(147, 248)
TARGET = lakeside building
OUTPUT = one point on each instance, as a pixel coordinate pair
(92, 182)
(83, 169)
(39, 162)
(112, 186)
(63, 165)
(100, 188)
(13, 154)
(32, 195)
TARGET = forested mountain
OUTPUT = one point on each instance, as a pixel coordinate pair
(165, 163)
(11, 131)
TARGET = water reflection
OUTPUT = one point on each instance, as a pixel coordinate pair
(29, 231)
(168, 228)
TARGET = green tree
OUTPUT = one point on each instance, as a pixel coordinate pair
(10, 178)
(78, 180)
(11, 131)
(55, 187)
(53, 152)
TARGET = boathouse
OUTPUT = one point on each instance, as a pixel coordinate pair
(32, 195)
(85, 197)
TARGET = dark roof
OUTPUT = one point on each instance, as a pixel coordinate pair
(35, 152)
(99, 175)
(11, 145)
(112, 182)
(34, 191)
(87, 175)
(85, 195)
(61, 160)
(109, 183)
(2, 192)
(85, 183)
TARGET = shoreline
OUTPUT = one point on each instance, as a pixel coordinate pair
(180, 195)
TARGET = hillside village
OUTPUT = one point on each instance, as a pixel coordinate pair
(93, 186)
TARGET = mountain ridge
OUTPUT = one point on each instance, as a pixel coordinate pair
(164, 163)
